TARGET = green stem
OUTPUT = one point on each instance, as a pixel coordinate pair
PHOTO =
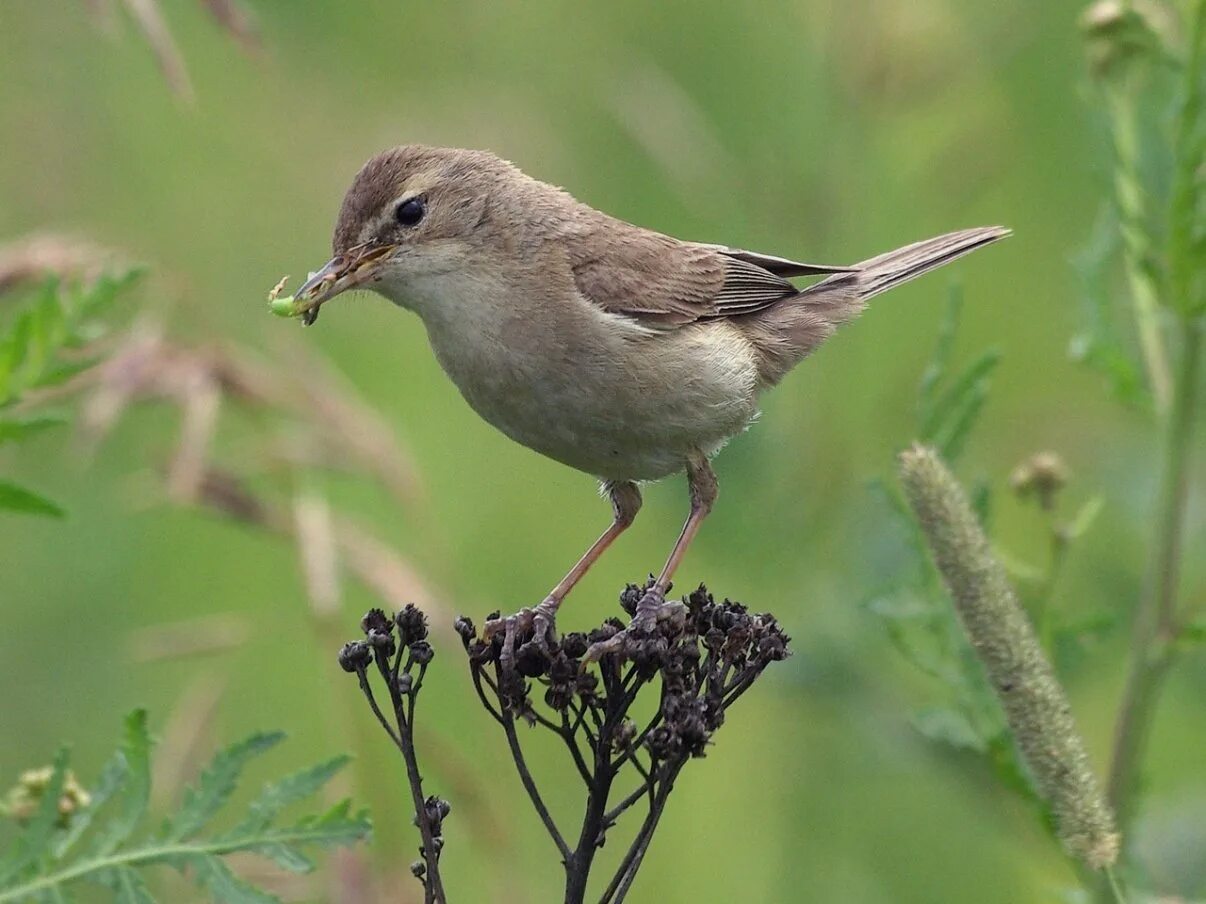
(1132, 214)
(1183, 202)
(1156, 621)
(1152, 650)
(143, 857)
(1046, 595)
(1117, 896)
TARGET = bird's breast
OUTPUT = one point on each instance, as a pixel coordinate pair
(591, 389)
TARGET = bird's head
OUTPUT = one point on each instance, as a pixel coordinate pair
(414, 213)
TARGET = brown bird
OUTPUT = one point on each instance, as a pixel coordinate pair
(616, 350)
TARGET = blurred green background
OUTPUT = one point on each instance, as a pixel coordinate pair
(820, 130)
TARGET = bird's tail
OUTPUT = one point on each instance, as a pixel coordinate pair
(887, 271)
(787, 332)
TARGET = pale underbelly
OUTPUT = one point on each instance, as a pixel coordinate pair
(616, 416)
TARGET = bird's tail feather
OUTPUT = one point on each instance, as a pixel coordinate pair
(887, 271)
(787, 332)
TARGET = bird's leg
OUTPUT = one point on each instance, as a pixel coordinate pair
(625, 503)
(653, 608)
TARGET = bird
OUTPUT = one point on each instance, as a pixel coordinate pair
(619, 351)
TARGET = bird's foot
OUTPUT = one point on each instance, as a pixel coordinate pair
(534, 624)
(539, 620)
(653, 617)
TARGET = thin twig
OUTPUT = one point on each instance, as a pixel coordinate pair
(433, 883)
(362, 675)
(614, 813)
(529, 785)
(619, 886)
(571, 742)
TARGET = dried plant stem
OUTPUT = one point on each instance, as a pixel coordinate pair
(529, 785)
(620, 885)
(1035, 704)
(1156, 626)
(433, 885)
(577, 866)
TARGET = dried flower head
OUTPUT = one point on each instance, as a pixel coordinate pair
(1040, 477)
(401, 664)
(696, 662)
(1119, 33)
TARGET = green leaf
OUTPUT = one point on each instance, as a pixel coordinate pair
(19, 430)
(981, 502)
(1193, 634)
(60, 372)
(1084, 518)
(216, 784)
(1100, 344)
(33, 843)
(955, 398)
(224, 886)
(949, 726)
(15, 498)
(13, 348)
(278, 795)
(952, 437)
(27, 872)
(1092, 627)
(1004, 758)
(915, 626)
(135, 754)
(42, 332)
(126, 886)
(940, 360)
(102, 293)
(284, 856)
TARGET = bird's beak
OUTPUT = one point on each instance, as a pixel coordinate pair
(340, 273)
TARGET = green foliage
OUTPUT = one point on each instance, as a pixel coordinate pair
(1102, 342)
(93, 843)
(915, 610)
(34, 355)
(949, 403)
(1187, 195)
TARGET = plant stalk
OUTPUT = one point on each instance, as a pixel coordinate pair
(1132, 215)
(1152, 649)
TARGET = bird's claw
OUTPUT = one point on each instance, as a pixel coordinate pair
(535, 622)
(651, 615)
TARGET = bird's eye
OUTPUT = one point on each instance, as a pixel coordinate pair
(410, 211)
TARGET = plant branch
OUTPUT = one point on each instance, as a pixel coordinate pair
(529, 785)
(618, 889)
(433, 883)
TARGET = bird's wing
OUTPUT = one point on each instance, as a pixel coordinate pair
(666, 283)
(780, 266)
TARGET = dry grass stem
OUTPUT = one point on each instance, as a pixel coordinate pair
(33, 258)
(149, 17)
(233, 18)
(192, 637)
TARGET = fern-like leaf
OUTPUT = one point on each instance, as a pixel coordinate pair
(112, 832)
(30, 345)
(216, 785)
